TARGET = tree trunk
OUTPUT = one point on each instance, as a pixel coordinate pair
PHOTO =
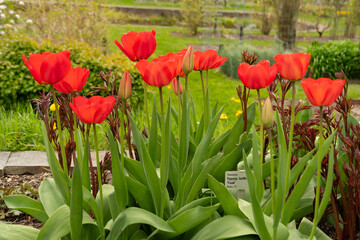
(286, 12)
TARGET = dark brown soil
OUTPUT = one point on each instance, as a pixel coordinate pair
(20, 184)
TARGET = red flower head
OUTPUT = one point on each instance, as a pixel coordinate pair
(92, 110)
(257, 76)
(323, 91)
(175, 87)
(137, 46)
(178, 57)
(74, 81)
(207, 60)
(292, 66)
(48, 68)
(159, 72)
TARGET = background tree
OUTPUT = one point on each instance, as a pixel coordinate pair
(352, 19)
(286, 12)
(192, 15)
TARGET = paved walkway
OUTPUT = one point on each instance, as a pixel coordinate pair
(29, 162)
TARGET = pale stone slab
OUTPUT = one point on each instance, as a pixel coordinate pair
(32, 162)
(4, 156)
(26, 162)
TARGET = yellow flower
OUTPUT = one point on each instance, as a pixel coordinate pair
(238, 113)
(223, 116)
(52, 107)
(235, 99)
(54, 126)
(168, 87)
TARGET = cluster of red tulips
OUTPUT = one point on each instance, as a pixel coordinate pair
(55, 69)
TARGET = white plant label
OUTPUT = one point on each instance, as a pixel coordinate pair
(236, 180)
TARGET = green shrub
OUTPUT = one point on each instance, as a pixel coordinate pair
(233, 53)
(17, 84)
(333, 56)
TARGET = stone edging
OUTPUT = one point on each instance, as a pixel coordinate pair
(29, 162)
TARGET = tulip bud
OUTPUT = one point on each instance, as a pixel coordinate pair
(175, 87)
(188, 61)
(125, 88)
(268, 113)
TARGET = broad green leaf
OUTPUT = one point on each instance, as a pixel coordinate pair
(230, 161)
(153, 136)
(199, 131)
(61, 179)
(76, 209)
(184, 136)
(84, 164)
(135, 170)
(107, 191)
(228, 202)
(281, 173)
(218, 143)
(256, 208)
(204, 201)
(305, 228)
(225, 228)
(238, 128)
(301, 186)
(89, 201)
(257, 163)
(12, 232)
(199, 180)
(28, 205)
(165, 147)
(141, 193)
(188, 220)
(153, 181)
(118, 172)
(136, 215)
(246, 208)
(57, 226)
(328, 186)
(139, 235)
(50, 196)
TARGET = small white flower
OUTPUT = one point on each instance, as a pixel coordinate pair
(12, 21)
(17, 16)
(2, 32)
(6, 25)
(29, 21)
(1, 1)
(11, 12)
(21, 3)
(2, 6)
(2, 15)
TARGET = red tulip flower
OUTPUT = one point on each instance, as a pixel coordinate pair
(137, 46)
(48, 68)
(323, 91)
(175, 87)
(292, 66)
(178, 57)
(158, 72)
(257, 76)
(74, 81)
(207, 60)
(92, 110)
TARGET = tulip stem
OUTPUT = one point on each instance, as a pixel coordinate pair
(207, 78)
(202, 85)
(272, 169)
(146, 105)
(261, 132)
(318, 178)
(63, 154)
(186, 86)
(291, 135)
(180, 104)
(163, 153)
(99, 183)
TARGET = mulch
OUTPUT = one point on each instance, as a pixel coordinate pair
(20, 184)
